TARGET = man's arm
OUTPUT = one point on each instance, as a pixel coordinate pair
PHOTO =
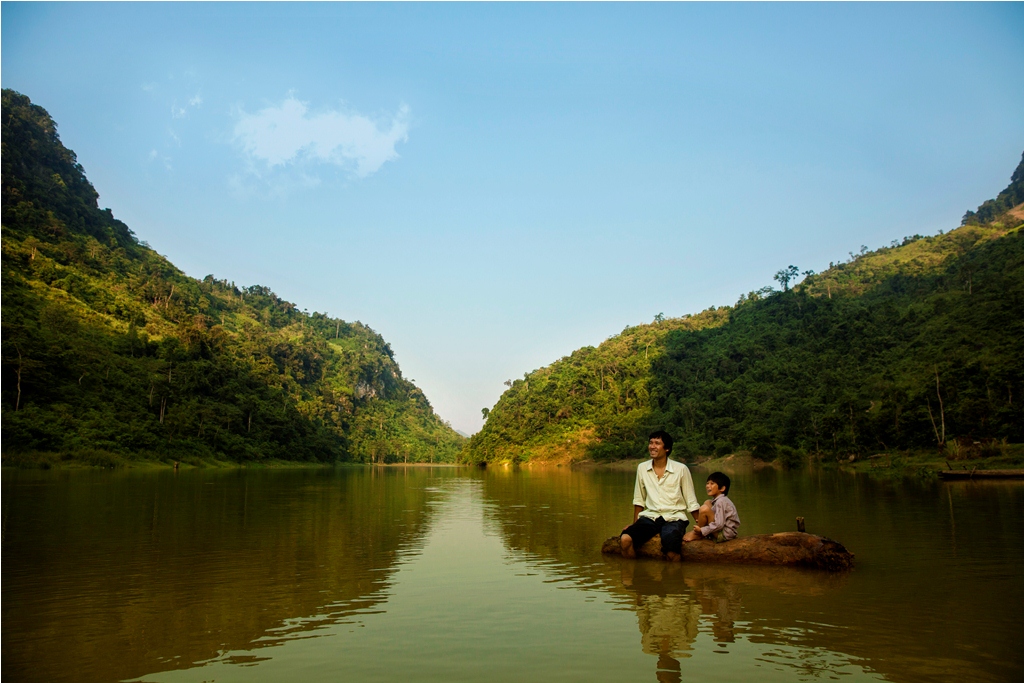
(639, 496)
(688, 495)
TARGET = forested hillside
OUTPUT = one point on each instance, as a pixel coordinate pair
(111, 353)
(918, 345)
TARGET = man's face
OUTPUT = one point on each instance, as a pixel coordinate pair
(656, 447)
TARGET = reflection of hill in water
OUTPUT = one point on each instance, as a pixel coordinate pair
(112, 576)
(874, 616)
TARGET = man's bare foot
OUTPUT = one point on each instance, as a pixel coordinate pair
(674, 557)
(626, 543)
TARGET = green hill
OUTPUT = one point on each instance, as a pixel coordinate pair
(111, 353)
(913, 346)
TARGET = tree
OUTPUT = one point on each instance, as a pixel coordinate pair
(785, 276)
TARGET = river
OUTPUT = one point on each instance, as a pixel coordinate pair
(446, 574)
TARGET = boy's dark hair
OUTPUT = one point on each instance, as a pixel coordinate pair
(665, 437)
(722, 480)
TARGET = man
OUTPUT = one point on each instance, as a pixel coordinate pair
(661, 497)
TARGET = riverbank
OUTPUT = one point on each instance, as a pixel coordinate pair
(742, 462)
(929, 463)
(924, 464)
(100, 459)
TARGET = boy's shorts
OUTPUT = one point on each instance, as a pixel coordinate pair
(645, 528)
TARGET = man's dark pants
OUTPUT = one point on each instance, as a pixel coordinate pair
(645, 528)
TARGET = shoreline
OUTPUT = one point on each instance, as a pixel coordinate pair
(105, 460)
(925, 464)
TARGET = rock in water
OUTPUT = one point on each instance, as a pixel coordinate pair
(788, 548)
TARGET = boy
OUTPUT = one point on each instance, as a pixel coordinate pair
(717, 518)
(662, 495)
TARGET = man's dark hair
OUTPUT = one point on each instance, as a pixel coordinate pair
(665, 437)
(721, 479)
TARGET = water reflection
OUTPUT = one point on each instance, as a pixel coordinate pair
(910, 611)
(492, 575)
(108, 576)
(668, 622)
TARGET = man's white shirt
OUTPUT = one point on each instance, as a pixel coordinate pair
(671, 496)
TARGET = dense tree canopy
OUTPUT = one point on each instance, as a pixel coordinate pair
(108, 348)
(915, 345)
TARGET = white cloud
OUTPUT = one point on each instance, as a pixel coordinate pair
(180, 112)
(289, 133)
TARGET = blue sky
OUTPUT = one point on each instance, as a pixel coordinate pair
(491, 186)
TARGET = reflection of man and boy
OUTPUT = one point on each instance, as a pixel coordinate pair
(662, 496)
(671, 603)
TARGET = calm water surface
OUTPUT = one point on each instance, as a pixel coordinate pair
(466, 575)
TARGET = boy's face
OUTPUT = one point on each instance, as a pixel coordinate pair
(713, 489)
